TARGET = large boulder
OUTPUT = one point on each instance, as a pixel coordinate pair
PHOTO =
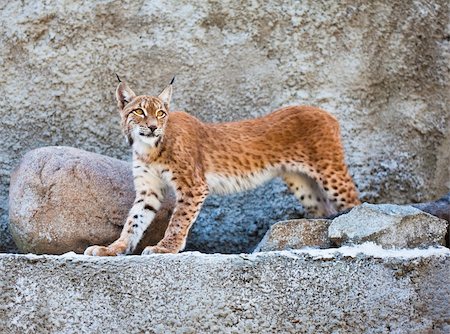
(64, 199)
(295, 234)
(388, 225)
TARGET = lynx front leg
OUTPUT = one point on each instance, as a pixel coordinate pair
(189, 203)
(149, 195)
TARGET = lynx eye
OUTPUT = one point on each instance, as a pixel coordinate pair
(138, 112)
(160, 114)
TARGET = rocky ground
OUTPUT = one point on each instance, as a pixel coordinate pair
(346, 290)
(374, 269)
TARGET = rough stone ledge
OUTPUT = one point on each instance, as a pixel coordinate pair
(349, 289)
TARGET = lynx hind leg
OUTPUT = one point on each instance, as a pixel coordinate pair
(339, 189)
(310, 195)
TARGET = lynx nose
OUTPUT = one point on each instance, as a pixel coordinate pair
(152, 128)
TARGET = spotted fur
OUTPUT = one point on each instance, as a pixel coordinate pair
(301, 144)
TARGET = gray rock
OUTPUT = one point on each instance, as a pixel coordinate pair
(295, 234)
(439, 208)
(381, 67)
(64, 199)
(275, 292)
(388, 225)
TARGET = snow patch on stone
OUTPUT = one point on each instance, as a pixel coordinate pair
(368, 249)
(373, 250)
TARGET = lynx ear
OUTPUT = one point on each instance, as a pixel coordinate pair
(166, 94)
(124, 95)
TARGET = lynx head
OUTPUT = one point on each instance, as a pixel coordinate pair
(144, 117)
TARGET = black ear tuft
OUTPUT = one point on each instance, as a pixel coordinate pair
(172, 81)
(118, 77)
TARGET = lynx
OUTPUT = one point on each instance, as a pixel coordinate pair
(175, 150)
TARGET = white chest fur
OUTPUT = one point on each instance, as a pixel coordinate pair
(142, 144)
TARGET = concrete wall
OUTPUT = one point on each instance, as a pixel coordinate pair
(287, 292)
(382, 67)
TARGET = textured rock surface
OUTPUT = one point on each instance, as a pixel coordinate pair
(388, 225)
(64, 199)
(295, 234)
(439, 208)
(381, 67)
(288, 292)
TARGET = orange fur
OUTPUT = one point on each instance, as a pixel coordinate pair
(299, 143)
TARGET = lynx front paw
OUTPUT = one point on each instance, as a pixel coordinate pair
(157, 250)
(101, 251)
